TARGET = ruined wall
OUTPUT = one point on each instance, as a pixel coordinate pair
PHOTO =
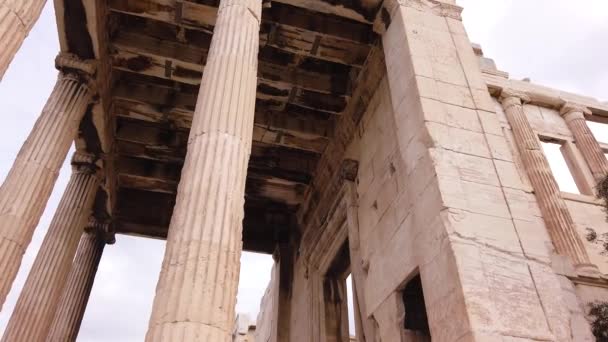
(442, 193)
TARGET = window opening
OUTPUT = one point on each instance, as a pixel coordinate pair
(415, 310)
(559, 167)
(599, 130)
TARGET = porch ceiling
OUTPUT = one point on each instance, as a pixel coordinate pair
(312, 53)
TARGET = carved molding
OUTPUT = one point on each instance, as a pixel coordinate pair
(349, 169)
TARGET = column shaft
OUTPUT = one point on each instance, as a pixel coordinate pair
(28, 186)
(17, 17)
(37, 304)
(574, 115)
(73, 302)
(553, 208)
(196, 291)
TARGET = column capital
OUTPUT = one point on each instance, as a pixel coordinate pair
(572, 110)
(69, 62)
(72, 66)
(510, 97)
(252, 5)
(103, 228)
(84, 163)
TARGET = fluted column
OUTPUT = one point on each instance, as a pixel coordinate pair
(196, 291)
(28, 186)
(574, 115)
(75, 297)
(37, 304)
(553, 208)
(17, 17)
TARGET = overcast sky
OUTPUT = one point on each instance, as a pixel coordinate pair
(558, 43)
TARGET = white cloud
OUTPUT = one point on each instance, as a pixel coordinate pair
(555, 43)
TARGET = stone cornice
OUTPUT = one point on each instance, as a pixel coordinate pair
(544, 96)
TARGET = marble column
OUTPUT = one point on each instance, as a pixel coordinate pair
(196, 291)
(28, 186)
(37, 304)
(17, 17)
(574, 115)
(73, 302)
(555, 213)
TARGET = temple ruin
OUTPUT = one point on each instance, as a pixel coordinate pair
(368, 138)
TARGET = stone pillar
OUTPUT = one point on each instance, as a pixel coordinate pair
(196, 291)
(574, 115)
(17, 17)
(553, 208)
(28, 186)
(37, 304)
(73, 302)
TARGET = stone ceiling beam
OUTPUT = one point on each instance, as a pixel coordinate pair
(184, 63)
(288, 13)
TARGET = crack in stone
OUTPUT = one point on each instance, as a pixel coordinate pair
(520, 256)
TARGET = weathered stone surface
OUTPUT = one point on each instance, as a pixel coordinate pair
(556, 215)
(73, 302)
(28, 185)
(574, 115)
(16, 20)
(39, 299)
(196, 291)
